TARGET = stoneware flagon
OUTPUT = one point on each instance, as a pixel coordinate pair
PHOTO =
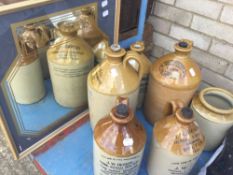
(113, 77)
(70, 59)
(27, 82)
(176, 144)
(213, 110)
(119, 141)
(173, 76)
(41, 35)
(140, 47)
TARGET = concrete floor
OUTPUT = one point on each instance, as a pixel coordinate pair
(8, 166)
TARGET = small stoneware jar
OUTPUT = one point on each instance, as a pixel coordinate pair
(70, 59)
(140, 47)
(173, 76)
(176, 144)
(213, 110)
(27, 81)
(119, 141)
(112, 78)
(41, 35)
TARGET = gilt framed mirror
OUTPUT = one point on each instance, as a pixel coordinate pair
(27, 120)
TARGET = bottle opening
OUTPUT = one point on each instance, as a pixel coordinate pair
(183, 44)
(122, 111)
(115, 47)
(187, 113)
(218, 101)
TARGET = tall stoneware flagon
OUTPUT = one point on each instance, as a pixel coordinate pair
(173, 76)
(70, 59)
(176, 144)
(113, 77)
(119, 141)
(27, 80)
(140, 47)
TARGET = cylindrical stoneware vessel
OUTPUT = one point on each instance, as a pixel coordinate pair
(27, 82)
(112, 78)
(213, 110)
(139, 47)
(41, 35)
(119, 141)
(70, 59)
(173, 76)
(176, 144)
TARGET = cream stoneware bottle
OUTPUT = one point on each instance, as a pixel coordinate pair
(112, 78)
(119, 141)
(70, 59)
(176, 144)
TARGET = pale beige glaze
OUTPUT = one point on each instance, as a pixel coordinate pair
(213, 121)
(70, 59)
(173, 76)
(113, 77)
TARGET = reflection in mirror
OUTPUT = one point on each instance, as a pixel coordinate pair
(41, 96)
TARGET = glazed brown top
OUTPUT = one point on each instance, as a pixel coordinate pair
(179, 135)
(177, 70)
(114, 76)
(120, 137)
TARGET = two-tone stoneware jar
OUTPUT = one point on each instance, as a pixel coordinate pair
(70, 59)
(119, 141)
(41, 35)
(173, 76)
(213, 110)
(176, 144)
(140, 47)
(27, 80)
(112, 78)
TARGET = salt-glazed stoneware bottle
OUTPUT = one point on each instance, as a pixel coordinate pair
(41, 35)
(176, 144)
(119, 141)
(27, 80)
(213, 110)
(112, 78)
(173, 76)
(70, 59)
(140, 47)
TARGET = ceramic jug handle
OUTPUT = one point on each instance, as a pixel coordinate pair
(176, 104)
(44, 32)
(132, 55)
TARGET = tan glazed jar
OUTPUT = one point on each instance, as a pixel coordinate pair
(119, 141)
(213, 110)
(41, 35)
(27, 81)
(70, 59)
(140, 47)
(173, 76)
(177, 143)
(112, 78)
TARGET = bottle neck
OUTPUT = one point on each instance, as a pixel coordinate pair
(182, 54)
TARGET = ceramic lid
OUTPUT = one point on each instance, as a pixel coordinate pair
(216, 112)
(179, 134)
(177, 70)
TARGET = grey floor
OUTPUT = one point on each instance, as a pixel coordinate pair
(8, 166)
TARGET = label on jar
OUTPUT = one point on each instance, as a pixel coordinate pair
(172, 69)
(163, 161)
(105, 164)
